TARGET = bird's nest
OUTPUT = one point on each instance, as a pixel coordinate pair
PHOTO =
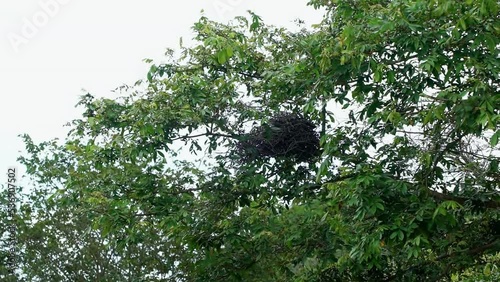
(286, 135)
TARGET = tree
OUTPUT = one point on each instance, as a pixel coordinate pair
(403, 184)
(56, 242)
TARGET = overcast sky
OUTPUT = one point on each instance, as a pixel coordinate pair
(52, 49)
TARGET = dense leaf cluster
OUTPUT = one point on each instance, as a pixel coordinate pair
(407, 186)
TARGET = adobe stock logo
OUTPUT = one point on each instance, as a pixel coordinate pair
(222, 7)
(31, 26)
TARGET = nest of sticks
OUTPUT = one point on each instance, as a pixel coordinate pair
(286, 135)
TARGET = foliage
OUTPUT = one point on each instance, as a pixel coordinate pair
(58, 243)
(487, 270)
(405, 94)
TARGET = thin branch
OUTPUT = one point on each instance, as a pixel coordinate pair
(410, 132)
(333, 180)
(233, 136)
(491, 204)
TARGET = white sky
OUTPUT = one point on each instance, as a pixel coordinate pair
(52, 49)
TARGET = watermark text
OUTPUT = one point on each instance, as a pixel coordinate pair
(30, 27)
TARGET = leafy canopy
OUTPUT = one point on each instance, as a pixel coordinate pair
(405, 98)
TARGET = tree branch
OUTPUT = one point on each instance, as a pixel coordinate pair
(491, 204)
(233, 136)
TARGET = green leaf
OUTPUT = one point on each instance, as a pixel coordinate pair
(229, 52)
(377, 76)
(487, 269)
(393, 235)
(323, 218)
(391, 76)
(222, 57)
(494, 138)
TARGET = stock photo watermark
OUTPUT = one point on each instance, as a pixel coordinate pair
(223, 7)
(30, 27)
(11, 213)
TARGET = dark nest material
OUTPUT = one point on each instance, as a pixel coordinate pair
(286, 135)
